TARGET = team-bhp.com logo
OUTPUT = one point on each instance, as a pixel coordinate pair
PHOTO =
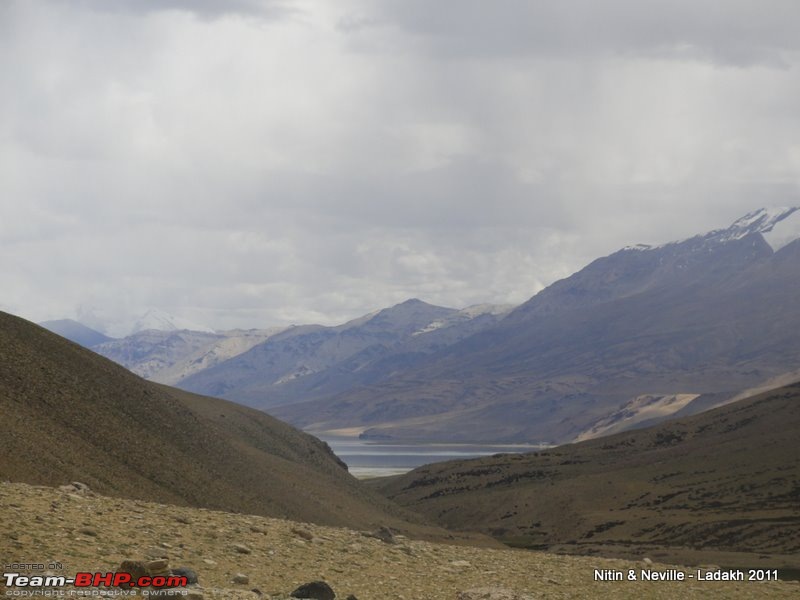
(86, 579)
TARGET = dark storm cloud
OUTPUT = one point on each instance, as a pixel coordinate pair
(736, 32)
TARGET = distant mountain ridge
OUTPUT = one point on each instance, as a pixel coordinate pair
(700, 319)
(171, 356)
(708, 316)
(314, 361)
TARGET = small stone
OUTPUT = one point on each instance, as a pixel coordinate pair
(384, 534)
(88, 531)
(241, 579)
(208, 561)
(306, 535)
(316, 590)
(460, 563)
(76, 487)
(157, 566)
(647, 561)
(190, 574)
(134, 568)
(241, 549)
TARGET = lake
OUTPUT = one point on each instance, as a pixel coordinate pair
(367, 458)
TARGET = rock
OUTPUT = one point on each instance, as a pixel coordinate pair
(491, 593)
(647, 561)
(383, 534)
(318, 590)
(460, 563)
(351, 597)
(190, 574)
(76, 487)
(135, 568)
(241, 549)
(157, 566)
(306, 535)
(241, 579)
(88, 531)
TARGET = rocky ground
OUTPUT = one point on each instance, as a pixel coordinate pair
(271, 558)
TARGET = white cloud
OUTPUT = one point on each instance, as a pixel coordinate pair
(258, 163)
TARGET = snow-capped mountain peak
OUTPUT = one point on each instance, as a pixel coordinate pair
(765, 221)
(779, 226)
(784, 230)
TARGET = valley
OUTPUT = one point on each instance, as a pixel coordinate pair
(643, 408)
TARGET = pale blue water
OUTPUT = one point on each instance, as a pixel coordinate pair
(375, 459)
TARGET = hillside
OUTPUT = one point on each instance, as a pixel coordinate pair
(69, 414)
(89, 532)
(313, 361)
(718, 487)
(705, 317)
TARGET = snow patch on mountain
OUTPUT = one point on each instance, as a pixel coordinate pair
(779, 226)
(784, 231)
(761, 221)
(465, 314)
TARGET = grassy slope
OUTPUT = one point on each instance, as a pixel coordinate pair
(726, 481)
(69, 414)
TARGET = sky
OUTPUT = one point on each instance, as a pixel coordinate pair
(253, 163)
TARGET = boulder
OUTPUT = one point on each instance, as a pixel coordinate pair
(317, 590)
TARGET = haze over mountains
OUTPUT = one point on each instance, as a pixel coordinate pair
(633, 338)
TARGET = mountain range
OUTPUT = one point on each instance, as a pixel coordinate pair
(635, 337)
(705, 317)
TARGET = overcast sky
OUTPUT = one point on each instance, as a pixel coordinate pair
(253, 163)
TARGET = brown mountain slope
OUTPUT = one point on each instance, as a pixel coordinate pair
(725, 481)
(69, 414)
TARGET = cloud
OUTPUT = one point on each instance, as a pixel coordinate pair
(247, 168)
(733, 32)
(269, 9)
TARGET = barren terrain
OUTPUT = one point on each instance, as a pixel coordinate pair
(89, 532)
